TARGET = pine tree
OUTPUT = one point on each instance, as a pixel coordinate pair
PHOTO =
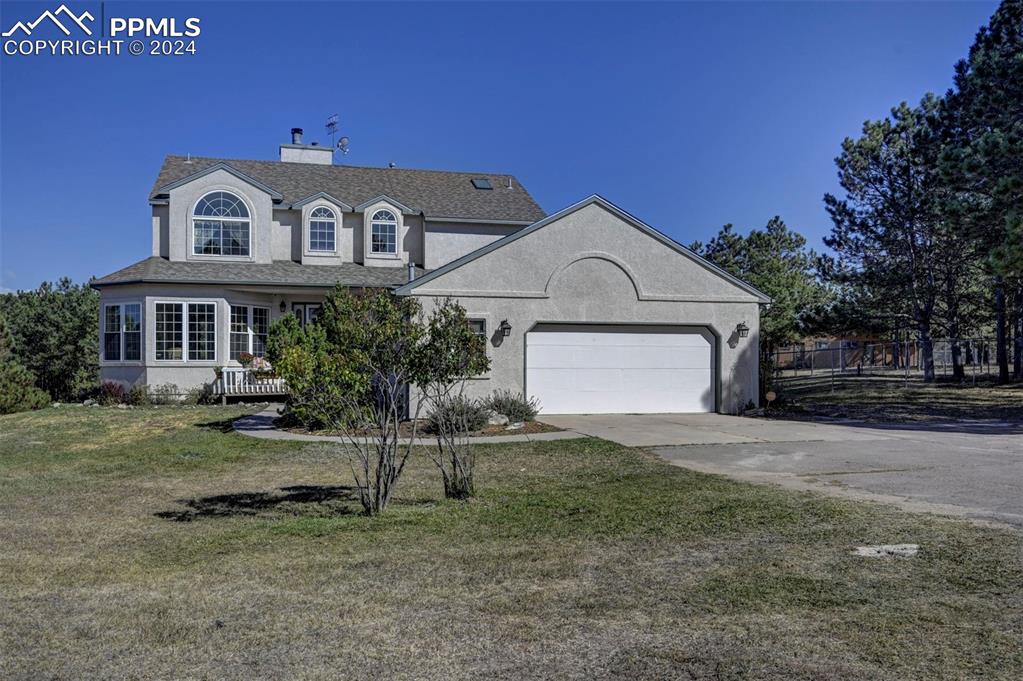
(984, 157)
(887, 232)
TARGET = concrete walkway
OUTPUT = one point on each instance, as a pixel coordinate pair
(261, 425)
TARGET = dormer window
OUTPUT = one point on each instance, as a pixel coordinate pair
(385, 233)
(322, 230)
(221, 225)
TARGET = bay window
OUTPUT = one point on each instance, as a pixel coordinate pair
(195, 323)
(122, 332)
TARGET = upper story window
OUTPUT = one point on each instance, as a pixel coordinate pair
(322, 230)
(385, 232)
(221, 225)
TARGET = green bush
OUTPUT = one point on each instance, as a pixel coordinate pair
(138, 395)
(18, 391)
(467, 415)
(514, 405)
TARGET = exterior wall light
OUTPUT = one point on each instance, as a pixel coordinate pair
(284, 306)
(742, 330)
(505, 328)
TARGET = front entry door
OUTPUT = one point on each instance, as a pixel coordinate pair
(306, 312)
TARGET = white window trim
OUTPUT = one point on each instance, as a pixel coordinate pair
(308, 220)
(251, 220)
(367, 232)
(185, 359)
(249, 332)
(142, 335)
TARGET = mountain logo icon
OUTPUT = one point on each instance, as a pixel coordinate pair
(69, 16)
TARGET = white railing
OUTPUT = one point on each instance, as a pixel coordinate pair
(237, 381)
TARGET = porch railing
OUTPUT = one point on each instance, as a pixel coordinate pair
(240, 381)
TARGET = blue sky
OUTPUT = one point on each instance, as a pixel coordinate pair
(688, 115)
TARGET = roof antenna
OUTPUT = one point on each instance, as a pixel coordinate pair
(341, 144)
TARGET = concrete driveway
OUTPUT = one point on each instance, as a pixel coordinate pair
(968, 468)
(651, 430)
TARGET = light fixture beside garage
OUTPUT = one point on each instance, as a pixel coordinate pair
(504, 328)
(742, 330)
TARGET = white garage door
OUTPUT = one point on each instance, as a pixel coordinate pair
(619, 370)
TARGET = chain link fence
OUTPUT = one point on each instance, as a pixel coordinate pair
(844, 357)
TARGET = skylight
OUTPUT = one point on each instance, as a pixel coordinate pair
(481, 183)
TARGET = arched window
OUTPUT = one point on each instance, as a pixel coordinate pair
(385, 232)
(220, 225)
(322, 229)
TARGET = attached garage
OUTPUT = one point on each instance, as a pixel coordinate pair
(616, 369)
(591, 311)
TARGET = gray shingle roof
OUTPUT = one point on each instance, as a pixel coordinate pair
(278, 273)
(435, 193)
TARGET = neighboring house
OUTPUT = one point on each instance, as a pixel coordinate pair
(589, 309)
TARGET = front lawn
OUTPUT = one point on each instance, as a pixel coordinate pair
(151, 544)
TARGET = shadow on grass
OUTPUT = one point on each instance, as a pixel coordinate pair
(337, 500)
(221, 426)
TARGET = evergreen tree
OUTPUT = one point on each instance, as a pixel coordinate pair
(18, 391)
(887, 232)
(983, 159)
(55, 335)
(776, 261)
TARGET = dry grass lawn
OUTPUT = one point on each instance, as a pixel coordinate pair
(151, 544)
(878, 398)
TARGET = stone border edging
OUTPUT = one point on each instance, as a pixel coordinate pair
(261, 426)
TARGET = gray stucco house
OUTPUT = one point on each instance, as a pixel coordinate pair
(588, 309)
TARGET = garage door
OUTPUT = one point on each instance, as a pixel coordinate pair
(620, 370)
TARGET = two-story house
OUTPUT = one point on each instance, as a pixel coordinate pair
(588, 309)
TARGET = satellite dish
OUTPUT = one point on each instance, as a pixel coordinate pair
(342, 144)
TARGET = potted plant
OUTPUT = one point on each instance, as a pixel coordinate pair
(262, 369)
(246, 359)
(219, 372)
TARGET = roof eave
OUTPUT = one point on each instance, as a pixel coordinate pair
(212, 169)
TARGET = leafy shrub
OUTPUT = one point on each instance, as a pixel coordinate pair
(514, 405)
(18, 391)
(166, 393)
(112, 392)
(138, 395)
(464, 414)
(200, 394)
